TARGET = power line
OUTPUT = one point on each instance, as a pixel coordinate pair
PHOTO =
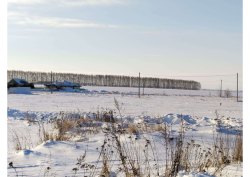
(227, 75)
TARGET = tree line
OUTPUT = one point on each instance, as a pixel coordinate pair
(105, 80)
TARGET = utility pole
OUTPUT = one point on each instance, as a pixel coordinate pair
(143, 85)
(51, 82)
(237, 87)
(139, 85)
(220, 88)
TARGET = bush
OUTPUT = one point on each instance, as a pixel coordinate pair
(228, 93)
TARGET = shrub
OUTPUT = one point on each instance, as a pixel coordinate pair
(228, 93)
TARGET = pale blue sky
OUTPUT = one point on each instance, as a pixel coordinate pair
(159, 38)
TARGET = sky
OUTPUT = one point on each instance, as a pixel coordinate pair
(184, 39)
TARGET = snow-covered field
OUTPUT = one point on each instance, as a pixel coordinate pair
(198, 110)
(160, 91)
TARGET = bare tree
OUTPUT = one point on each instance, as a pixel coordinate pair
(105, 80)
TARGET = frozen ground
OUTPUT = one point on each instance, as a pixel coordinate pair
(154, 91)
(196, 108)
(132, 105)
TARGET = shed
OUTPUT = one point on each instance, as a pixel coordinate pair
(15, 82)
(62, 85)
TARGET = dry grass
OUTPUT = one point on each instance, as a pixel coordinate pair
(140, 158)
(17, 141)
(238, 149)
(64, 126)
(21, 141)
(44, 134)
(132, 129)
(180, 154)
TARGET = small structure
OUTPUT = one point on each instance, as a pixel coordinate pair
(15, 82)
(65, 85)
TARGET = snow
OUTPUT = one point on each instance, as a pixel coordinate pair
(160, 91)
(65, 84)
(176, 119)
(19, 90)
(185, 174)
(20, 81)
(195, 109)
(152, 105)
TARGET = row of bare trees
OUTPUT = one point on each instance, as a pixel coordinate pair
(105, 80)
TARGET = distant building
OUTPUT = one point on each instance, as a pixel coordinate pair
(62, 85)
(19, 83)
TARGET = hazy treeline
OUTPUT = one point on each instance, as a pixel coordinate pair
(105, 80)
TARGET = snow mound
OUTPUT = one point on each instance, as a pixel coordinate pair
(208, 121)
(46, 116)
(192, 174)
(17, 114)
(227, 125)
(21, 115)
(138, 121)
(68, 89)
(177, 119)
(55, 147)
(48, 143)
(19, 90)
(27, 152)
(173, 119)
